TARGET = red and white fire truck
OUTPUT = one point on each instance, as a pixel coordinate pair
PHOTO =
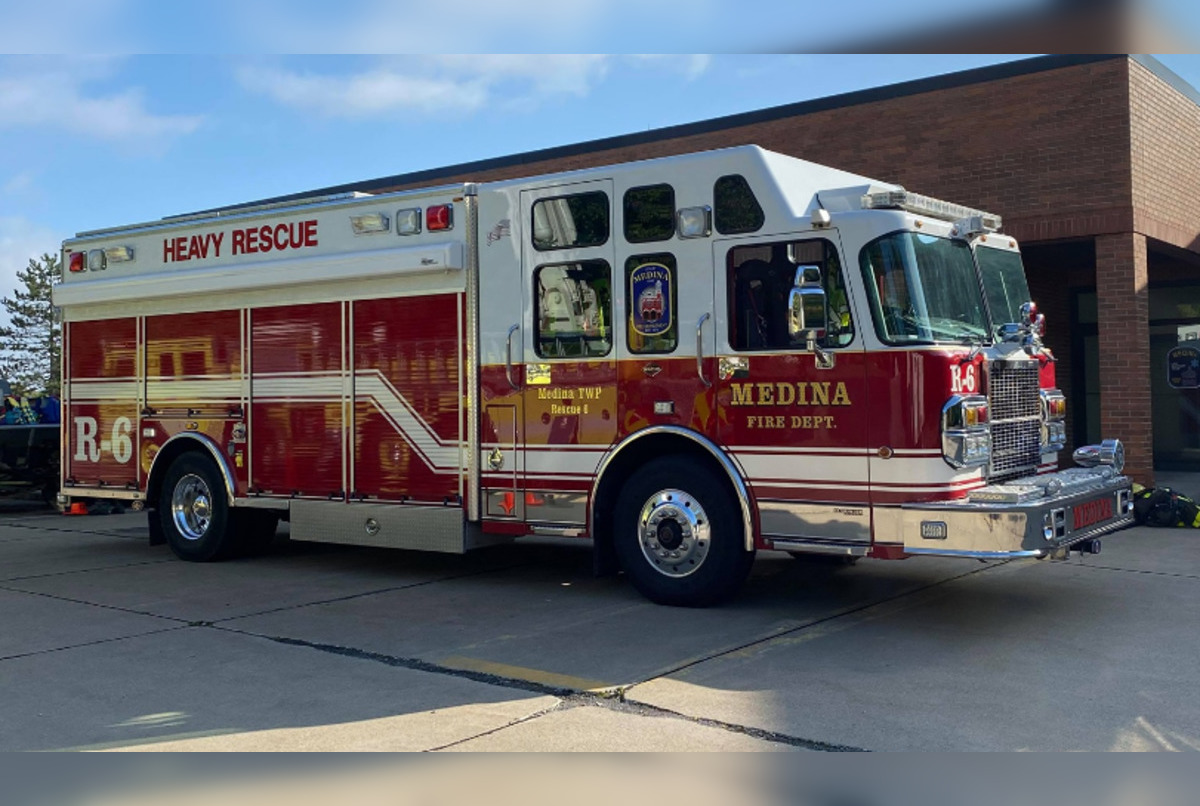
(685, 360)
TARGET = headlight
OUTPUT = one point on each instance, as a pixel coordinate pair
(1054, 437)
(966, 435)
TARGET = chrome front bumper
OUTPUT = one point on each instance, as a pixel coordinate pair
(1030, 517)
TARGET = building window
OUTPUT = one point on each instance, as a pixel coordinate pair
(573, 309)
(567, 222)
(649, 213)
(651, 299)
(735, 209)
(760, 279)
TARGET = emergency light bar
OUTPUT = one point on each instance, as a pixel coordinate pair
(927, 205)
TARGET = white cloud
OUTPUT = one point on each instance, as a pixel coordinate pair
(384, 26)
(57, 98)
(65, 26)
(691, 66)
(17, 184)
(363, 94)
(448, 83)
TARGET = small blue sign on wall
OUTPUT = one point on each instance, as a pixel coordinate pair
(650, 294)
(1183, 367)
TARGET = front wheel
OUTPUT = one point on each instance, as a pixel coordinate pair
(679, 534)
(194, 510)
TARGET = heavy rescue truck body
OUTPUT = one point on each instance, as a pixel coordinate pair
(685, 360)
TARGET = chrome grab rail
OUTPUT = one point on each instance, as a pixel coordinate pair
(508, 356)
(700, 349)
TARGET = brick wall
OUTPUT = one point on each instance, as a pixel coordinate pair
(1019, 146)
(1165, 139)
(1123, 302)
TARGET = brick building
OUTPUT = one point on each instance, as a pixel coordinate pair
(1094, 163)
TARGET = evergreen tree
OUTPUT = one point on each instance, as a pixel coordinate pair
(31, 343)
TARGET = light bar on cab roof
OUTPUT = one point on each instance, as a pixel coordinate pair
(927, 205)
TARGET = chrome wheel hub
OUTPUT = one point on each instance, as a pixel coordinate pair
(673, 532)
(191, 507)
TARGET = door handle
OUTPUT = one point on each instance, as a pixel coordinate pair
(508, 368)
(700, 349)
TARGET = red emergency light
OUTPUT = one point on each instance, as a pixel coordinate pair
(78, 261)
(439, 216)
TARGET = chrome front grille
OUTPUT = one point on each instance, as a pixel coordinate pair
(1016, 417)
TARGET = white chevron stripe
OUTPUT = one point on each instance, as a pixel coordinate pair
(418, 434)
(88, 390)
(192, 390)
(306, 386)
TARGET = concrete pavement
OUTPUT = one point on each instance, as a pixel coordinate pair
(108, 643)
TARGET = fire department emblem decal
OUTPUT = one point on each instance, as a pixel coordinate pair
(650, 293)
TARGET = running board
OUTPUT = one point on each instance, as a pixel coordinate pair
(397, 526)
(819, 546)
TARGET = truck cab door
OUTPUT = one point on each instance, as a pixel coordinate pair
(560, 355)
(792, 407)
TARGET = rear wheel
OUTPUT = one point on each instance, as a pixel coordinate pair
(193, 509)
(679, 534)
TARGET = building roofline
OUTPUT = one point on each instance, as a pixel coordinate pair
(961, 78)
(1168, 75)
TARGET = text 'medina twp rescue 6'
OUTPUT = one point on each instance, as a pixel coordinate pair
(685, 359)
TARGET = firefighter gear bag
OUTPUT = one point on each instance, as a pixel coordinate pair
(1162, 506)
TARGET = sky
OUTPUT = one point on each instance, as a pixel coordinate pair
(114, 112)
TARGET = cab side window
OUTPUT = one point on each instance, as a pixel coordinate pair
(735, 208)
(570, 222)
(573, 309)
(649, 213)
(759, 281)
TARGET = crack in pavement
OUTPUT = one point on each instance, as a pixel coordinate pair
(83, 571)
(1136, 571)
(94, 604)
(568, 698)
(809, 625)
(92, 643)
(351, 596)
(616, 698)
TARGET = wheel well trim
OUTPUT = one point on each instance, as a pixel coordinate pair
(731, 471)
(214, 451)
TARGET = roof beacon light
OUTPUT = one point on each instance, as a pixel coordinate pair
(439, 217)
(927, 205)
(77, 262)
(369, 223)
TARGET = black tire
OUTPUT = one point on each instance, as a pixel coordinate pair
(193, 509)
(679, 535)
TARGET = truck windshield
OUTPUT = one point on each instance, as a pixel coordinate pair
(1003, 282)
(923, 289)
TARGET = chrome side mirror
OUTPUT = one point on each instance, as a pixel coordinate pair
(806, 303)
(806, 312)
